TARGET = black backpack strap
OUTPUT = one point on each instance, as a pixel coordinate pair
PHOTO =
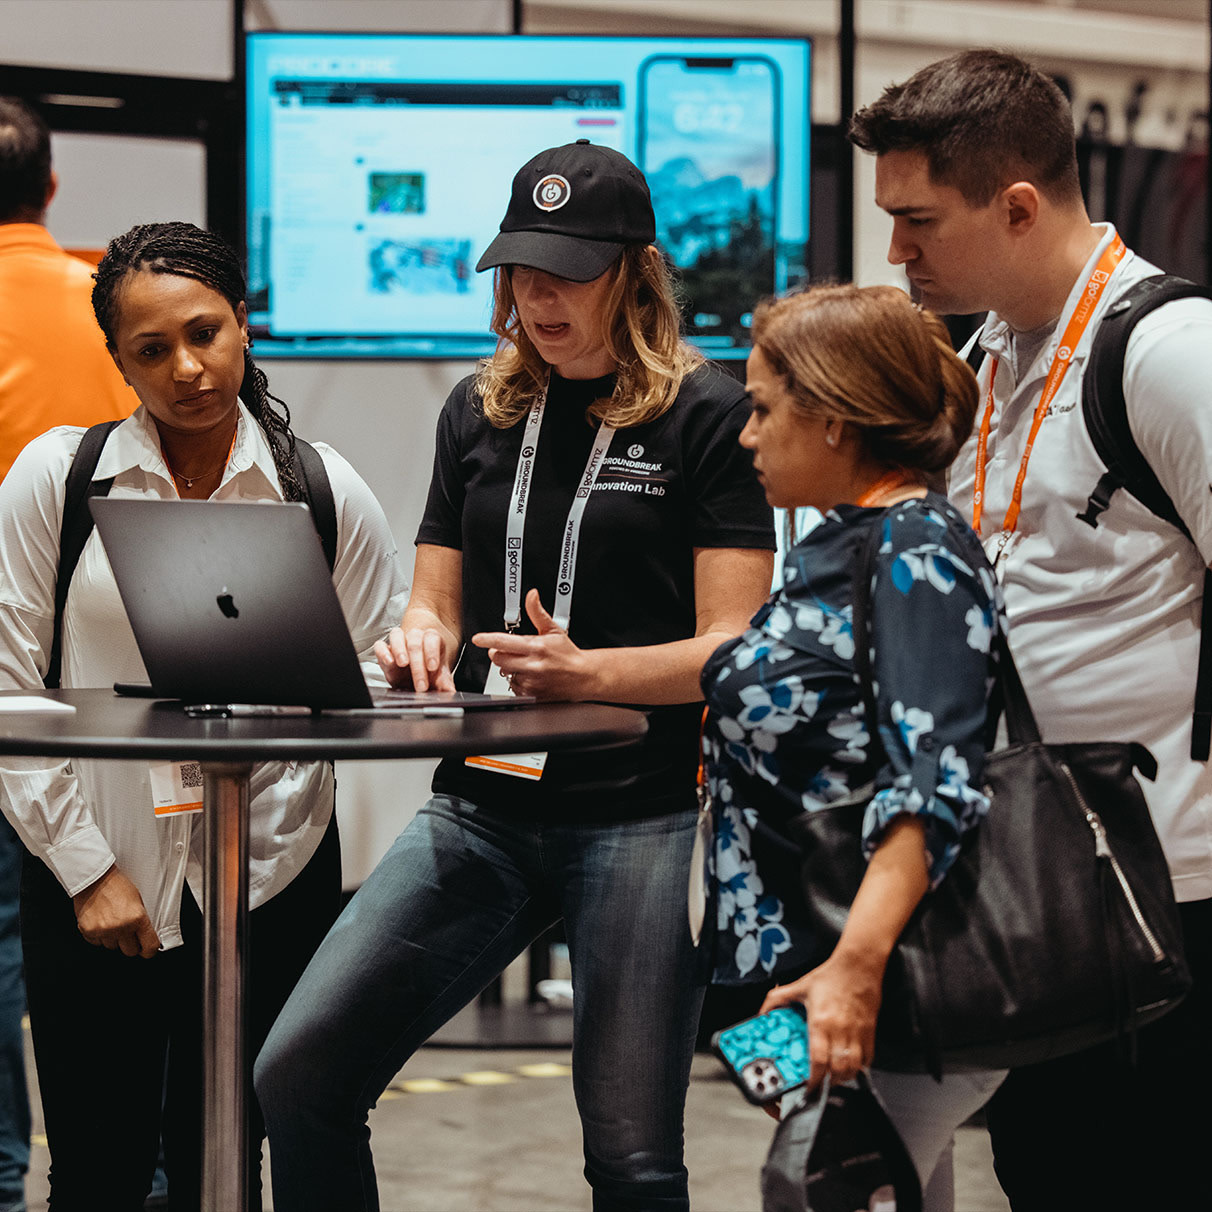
(976, 356)
(1106, 415)
(309, 467)
(1103, 406)
(74, 530)
(1201, 724)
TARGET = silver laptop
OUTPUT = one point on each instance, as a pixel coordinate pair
(233, 603)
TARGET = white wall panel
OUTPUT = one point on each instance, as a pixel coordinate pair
(95, 200)
(410, 16)
(152, 37)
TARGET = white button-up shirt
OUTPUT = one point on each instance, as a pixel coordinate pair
(82, 816)
(1104, 622)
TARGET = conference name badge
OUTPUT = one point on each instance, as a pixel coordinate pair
(176, 787)
(519, 765)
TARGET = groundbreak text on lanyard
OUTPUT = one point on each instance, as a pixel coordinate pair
(530, 765)
(1083, 309)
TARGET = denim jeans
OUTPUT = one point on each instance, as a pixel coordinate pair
(460, 894)
(14, 1098)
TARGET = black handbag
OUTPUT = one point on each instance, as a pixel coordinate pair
(1055, 929)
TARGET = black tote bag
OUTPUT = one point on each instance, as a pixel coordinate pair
(1056, 927)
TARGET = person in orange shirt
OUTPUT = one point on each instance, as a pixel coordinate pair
(54, 367)
(54, 370)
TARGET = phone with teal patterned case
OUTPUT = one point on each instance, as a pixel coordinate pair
(766, 1055)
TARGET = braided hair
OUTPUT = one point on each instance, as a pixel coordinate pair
(190, 252)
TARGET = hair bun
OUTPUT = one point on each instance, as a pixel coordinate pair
(873, 359)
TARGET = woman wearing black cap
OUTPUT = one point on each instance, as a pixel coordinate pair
(595, 530)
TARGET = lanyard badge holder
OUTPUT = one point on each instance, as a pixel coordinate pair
(704, 841)
(176, 787)
(530, 765)
(1074, 328)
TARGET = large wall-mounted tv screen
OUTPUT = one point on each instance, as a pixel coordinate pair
(379, 168)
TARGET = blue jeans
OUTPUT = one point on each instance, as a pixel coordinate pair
(460, 894)
(14, 1098)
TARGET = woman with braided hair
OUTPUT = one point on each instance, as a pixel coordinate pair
(111, 928)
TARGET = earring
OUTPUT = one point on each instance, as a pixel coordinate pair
(831, 439)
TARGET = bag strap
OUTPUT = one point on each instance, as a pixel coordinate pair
(317, 491)
(863, 563)
(76, 526)
(1201, 719)
(1106, 412)
(1010, 696)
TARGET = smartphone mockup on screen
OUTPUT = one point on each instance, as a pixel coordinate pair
(766, 1055)
(708, 144)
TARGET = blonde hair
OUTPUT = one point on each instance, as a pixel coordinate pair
(872, 359)
(641, 332)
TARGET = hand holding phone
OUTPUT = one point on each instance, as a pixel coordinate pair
(766, 1055)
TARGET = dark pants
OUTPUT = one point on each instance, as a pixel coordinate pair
(118, 1040)
(1094, 1131)
(14, 1101)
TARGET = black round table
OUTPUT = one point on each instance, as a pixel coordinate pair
(105, 725)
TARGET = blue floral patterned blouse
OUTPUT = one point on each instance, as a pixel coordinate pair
(786, 731)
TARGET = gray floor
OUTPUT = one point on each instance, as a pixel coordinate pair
(495, 1130)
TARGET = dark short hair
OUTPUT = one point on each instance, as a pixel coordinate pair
(25, 161)
(982, 119)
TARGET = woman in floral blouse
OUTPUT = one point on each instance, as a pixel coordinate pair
(858, 399)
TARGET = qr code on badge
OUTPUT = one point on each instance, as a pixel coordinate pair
(191, 774)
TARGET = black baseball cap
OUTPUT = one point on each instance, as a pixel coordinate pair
(572, 212)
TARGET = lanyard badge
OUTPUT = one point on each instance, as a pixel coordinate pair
(701, 855)
(530, 765)
(176, 787)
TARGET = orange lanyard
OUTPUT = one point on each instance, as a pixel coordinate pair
(1082, 312)
(896, 478)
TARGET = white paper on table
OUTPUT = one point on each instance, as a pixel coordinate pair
(32, 702)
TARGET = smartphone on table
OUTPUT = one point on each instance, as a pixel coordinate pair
(766, 1055)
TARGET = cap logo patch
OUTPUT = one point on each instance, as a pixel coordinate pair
(552, 192)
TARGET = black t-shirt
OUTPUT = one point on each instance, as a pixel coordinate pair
(665, 488)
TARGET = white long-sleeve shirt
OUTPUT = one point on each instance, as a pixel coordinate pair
(81, 816)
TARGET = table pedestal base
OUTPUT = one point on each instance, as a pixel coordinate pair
(225, 933)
